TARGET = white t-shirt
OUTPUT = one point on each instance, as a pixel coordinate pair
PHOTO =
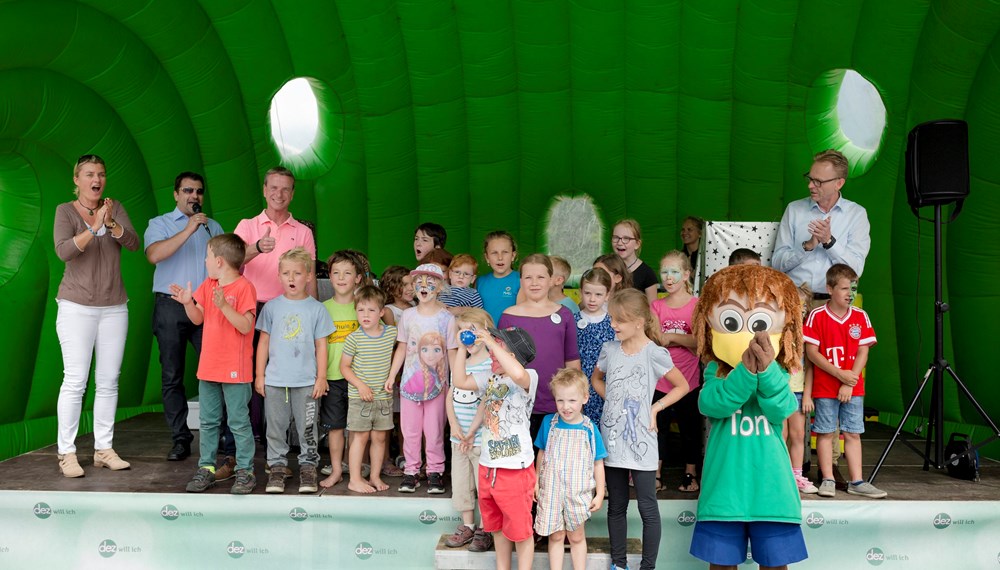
(506, 435)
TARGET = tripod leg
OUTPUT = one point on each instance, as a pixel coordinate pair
(933, 421)
(902, 421)
(972, 400)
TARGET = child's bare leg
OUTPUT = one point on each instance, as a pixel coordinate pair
(377, 453)
(578, 548)
(852, 451)
(335, 438)
(796, 432)
(824, 449)
(556, 549)
(356, 455)
(504, 547)
(525, 553)
(720, 567)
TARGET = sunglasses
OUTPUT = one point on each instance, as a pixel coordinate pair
(199, 191)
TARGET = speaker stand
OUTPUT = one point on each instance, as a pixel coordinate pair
(937, 368)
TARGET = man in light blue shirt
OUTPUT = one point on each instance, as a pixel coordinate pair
(823, 229)
(176, 243)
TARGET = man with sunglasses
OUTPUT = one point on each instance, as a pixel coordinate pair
(176, 243)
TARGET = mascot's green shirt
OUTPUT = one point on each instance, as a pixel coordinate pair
(747, 474)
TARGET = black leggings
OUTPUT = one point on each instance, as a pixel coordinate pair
(649, 512)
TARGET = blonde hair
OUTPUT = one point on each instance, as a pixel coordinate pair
(685, 262)
(538, 259)
(297, 255)
(632, 225)
(560, 267)
(632, 305)
(434, 338)
(570, 378)
(474, 316)
(836, 159)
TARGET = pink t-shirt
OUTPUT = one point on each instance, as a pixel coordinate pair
(226, 353)
(678, 321)
(262, 270)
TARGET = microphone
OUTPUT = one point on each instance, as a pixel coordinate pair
(196, 208)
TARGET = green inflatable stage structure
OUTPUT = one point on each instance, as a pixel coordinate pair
(478, 115)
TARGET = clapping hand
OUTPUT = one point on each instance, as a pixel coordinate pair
(219, 297)
(820, 229)
(180, 294)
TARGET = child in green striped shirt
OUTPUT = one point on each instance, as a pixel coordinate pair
(365, 364)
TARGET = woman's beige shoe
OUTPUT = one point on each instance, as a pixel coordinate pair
(69, 466)
(108, 458)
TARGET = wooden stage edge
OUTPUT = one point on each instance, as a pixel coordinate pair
(144, 441)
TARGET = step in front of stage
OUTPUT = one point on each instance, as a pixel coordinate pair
(598, 556)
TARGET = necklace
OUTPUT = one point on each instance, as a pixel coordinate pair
(89, 210)
(633, 264)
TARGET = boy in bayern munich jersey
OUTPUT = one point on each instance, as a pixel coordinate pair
(837, 337)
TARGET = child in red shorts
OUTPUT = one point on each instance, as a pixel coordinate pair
(506, 465)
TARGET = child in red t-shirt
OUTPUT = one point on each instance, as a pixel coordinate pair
(837, 337)
(226, 302)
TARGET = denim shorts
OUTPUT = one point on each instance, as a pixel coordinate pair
(798, 401)
(725, 542)
(851, 415)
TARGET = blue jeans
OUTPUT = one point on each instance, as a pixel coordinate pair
(211, 396)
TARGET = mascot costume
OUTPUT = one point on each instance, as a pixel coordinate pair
(748, 324)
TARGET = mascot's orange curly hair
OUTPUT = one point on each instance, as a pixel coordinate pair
(756, 283)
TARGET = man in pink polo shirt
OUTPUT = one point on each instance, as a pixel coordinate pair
(271, 234)
(267, 236)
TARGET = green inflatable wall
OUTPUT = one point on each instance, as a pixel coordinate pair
(475, 114)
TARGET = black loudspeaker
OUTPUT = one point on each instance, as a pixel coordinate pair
(937, 163)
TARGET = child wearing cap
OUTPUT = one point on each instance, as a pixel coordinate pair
(426, 343)
(506, 465)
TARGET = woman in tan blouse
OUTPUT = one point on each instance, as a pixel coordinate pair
(89, 233)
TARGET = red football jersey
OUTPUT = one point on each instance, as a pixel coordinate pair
(838, 340)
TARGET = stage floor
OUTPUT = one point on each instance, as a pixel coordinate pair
(145, 440)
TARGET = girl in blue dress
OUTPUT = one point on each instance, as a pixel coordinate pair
(593, 329)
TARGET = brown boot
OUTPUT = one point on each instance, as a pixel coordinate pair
(227, 470)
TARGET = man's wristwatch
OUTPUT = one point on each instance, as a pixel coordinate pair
(830, 243)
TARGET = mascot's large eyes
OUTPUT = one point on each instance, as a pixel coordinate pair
(731, 320)
(759, 322)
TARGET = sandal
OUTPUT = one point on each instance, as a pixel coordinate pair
(689, 484)
(659, 485)
(390, 470)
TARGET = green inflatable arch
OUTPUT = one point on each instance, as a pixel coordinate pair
(476, 115)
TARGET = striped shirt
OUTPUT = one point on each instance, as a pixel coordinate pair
(370, 360)
(466, 402)
(461, 297)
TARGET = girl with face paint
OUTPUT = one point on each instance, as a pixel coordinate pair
(675, 315)
(426, 345)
